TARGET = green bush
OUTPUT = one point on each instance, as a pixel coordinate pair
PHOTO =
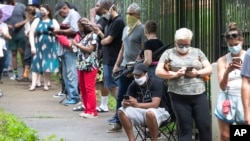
(11, 129)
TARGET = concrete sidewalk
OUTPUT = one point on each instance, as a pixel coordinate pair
(39, 110)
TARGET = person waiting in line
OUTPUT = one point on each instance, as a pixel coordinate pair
(4, 35)
(150, 46)
(111, 41)
(30, 13)
(67, 56)
(145, 104)
(44, 47)
(133, 41)
(87, 64)
(183, 67)
(228, 69)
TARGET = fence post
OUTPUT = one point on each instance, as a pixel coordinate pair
(214, 94)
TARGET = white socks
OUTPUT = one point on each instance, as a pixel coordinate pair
(104, 103)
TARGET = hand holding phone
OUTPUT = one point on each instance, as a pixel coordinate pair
(237, 60)
(188, 69)
(126, 97)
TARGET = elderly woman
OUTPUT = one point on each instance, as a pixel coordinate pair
(184, 68)
(4, 35)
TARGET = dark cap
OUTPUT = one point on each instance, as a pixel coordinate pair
(59, 6)
(140, 68)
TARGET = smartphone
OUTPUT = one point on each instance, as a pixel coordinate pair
(237, 59)
(126, 97)
(188, 69)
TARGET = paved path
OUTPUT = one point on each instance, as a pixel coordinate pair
(39, 110)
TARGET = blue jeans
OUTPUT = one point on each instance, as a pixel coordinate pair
(123, 83)
(8, 61)
(69, 74)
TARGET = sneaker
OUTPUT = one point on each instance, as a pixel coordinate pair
(23, 79)
(5, 73)
(113, 121)
(85, 115)
(115, 128)
(78, 108)
(70, 102)
(59, 95)
(14, 77)
(102, 110)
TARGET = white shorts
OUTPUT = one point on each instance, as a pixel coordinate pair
(236, 113)
(138, 115)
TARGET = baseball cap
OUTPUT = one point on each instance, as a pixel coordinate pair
(33, 3)
(140, 68)
(59, 6)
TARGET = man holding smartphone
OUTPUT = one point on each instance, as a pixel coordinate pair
(144, 104)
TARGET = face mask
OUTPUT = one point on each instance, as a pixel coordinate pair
(97, 18)
(142, 80)
(235, 49)
(107, 16)
(182, 50)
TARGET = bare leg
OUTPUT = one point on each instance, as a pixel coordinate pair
(127, 125)
(14, 59)
(152, 125)
(34, 79)
(38, 81)
(114, 91)
(46, 79)
(224, 130)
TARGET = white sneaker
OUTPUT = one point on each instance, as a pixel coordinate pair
(84, 115)
(14, 77)
(59, 95)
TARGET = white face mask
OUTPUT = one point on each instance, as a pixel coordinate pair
(97, 18)
(142, 80)
(182, 50)
(107, 16)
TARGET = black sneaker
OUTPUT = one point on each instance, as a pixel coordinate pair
(23, 79)
(148, 135)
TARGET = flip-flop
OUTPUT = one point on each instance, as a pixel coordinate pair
(79, 108)
(100, 110)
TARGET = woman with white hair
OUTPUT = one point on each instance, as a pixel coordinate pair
(184, 67)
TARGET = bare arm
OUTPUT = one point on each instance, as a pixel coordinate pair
(119, 59)
(133, 102)
(164, 74)
(32, 35)
(245, 89)
(148, 57)
(107, 40)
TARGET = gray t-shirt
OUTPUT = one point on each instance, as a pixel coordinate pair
(17, 16)
(185, 85)
(132, 43)
(71, 20)
(245, 70)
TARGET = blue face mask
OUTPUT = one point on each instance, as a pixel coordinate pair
(235, 49)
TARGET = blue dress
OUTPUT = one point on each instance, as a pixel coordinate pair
(45, 59)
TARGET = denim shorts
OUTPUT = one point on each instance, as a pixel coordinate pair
(109, 81)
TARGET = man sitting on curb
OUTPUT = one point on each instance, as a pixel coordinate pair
(144, 104)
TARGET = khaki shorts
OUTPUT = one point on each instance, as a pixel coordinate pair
(138, 115)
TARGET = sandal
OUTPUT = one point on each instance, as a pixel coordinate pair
(100, 110)
(79, 108)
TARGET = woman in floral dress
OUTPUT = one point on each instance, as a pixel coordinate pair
(43, 47)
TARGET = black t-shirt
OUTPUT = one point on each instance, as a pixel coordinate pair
(144, 94)
(103, 22)
(153, 45)
(111, 51)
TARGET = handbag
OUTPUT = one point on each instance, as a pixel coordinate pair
(226, 105)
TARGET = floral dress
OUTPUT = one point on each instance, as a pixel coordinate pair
(45, 59)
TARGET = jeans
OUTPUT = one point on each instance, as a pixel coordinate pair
(8, 60)
(69, 74)
(123, 83)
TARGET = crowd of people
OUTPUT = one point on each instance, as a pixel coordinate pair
(90, 50)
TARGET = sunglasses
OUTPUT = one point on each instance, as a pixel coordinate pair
(232, 36)
(182, 46)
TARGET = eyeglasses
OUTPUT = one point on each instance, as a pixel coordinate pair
(182, 45)
(232, 36)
